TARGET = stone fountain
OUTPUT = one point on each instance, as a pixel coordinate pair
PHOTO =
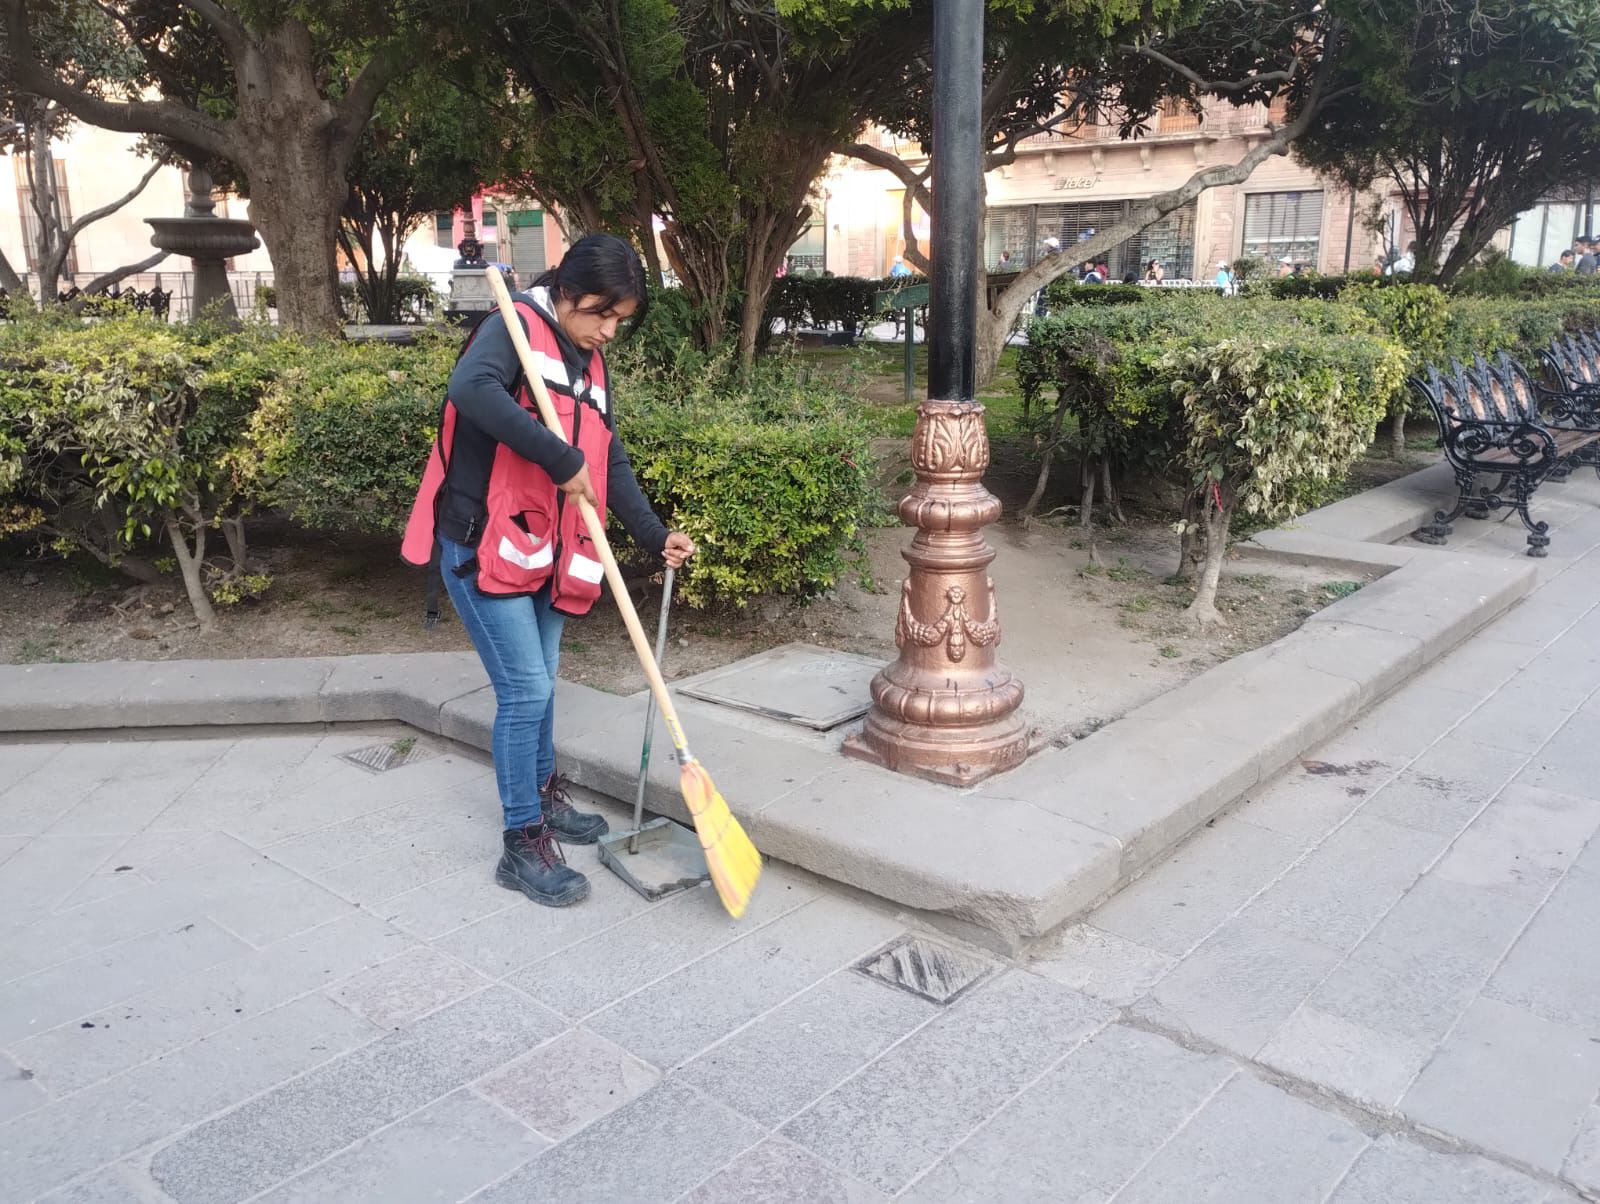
(206, 240)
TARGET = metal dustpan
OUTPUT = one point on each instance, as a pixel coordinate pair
(658, 859)
(661, 857)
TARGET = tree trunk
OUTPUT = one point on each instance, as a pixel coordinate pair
(296, 171)
(190, 563)
(1191, 547)
(238, 549)
(1086, 506)
(647, 228)
(1037, 496)
(994, 327)
(701, 254)
(1397, 429)
(294, 203)
(1203, 611)
(1108, 489)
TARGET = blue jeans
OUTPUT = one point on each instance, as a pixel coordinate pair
(519, 641)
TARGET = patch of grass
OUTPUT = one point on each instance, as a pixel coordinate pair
(321, 608)
(403, 745)
(1170, 652)
(1340, 589)
(352, 630)
(1091, 570)
(1254, 581)
(1123, 571)
(39, 649)
(1138, 605)
(572, 645)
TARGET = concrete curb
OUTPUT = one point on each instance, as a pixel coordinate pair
(1014, 857)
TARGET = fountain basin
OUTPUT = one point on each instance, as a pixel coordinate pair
(203, 237)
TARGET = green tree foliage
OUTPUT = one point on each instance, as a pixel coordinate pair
(1051, 67)
(435, 137)
(278, 90)
(719, 118)
(1265, 421)
(125, 430)
(1474, 110)
(81, 42)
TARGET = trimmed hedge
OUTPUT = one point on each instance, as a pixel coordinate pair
(122, 430)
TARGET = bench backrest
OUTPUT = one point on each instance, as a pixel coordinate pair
(1580, 361)
(1497, 382)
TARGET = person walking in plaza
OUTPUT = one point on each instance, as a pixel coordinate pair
(1587, 263)
(497, 501)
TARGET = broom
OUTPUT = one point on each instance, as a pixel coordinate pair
(733, 861)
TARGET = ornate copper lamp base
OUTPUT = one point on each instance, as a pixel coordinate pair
(949, 755)
(946, 708)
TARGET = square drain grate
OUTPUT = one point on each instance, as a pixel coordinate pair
(378, 758)
(935, 972)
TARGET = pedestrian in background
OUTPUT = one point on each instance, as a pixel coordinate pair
(1586, 258)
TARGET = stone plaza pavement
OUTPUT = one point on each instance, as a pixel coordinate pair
(237, 966)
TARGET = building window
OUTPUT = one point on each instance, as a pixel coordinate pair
(808, 255)
(1283, 225)
(443, 224)
(1177, 117)
(1539, 235)
(1015, 237)
(30, 219)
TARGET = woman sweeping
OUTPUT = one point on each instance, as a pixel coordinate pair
(515, 557)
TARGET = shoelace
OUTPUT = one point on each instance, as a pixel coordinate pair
(542, 842)
(554, 797)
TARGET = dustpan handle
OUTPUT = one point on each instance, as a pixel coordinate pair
(650, 708)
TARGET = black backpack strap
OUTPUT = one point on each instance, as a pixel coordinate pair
(430, 615)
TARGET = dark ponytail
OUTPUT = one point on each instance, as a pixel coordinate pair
(603, 266)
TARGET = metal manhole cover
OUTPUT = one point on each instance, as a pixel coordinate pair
(814, 687)
(379, 758)
(935, 972)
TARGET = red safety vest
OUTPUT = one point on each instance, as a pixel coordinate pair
(530, 535)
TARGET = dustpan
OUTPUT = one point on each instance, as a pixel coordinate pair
(661, 857)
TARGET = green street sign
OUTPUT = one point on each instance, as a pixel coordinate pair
(913, 296)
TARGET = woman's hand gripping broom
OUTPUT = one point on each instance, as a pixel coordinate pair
(733, 860)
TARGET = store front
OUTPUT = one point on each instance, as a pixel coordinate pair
(1019, 231)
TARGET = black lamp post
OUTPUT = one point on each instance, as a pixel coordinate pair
(946, 708)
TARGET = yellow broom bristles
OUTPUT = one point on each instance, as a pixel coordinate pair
(733, 860)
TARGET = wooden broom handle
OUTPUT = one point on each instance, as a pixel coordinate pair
(597, 529)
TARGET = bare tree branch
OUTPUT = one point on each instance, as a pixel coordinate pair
(94, 215)
(101, 283)
(229, 28)
(895, 166)
(1009, 304)
(356, 108)
(10, 282)
(1215, 85)
(128, 117)
(914, 250)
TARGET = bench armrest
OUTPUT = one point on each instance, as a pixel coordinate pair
(1467, 440)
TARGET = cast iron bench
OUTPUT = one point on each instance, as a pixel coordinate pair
(1572, 365)
(1490, 421)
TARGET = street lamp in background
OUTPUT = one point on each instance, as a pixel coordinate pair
(946, 708)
